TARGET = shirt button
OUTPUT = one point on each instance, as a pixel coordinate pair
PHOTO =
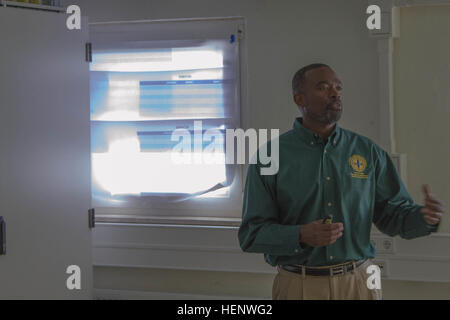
(328, 178)
(334, 142)
(324, 151)
(296, 250)
(329, 204)
(312, 143)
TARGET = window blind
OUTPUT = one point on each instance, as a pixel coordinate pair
(141, 92)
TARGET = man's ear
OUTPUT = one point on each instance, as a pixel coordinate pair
(299, 99)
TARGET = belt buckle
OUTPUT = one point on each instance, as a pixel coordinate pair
(337, 270)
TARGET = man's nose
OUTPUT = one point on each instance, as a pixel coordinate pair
(334, 93)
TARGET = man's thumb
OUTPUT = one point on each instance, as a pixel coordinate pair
(427, 190)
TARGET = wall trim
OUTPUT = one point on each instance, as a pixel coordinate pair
(165, 247)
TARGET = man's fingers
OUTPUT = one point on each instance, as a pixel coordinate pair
(328, 226)
(336, 232)
(430, 212)
(437, 207)
(326, 234)
(328, 240)
(427, 212)
(334, 238)
(434, 201)
(333, 226)
(340, 226)
(435, 215)
(432, 221)
(331, 236)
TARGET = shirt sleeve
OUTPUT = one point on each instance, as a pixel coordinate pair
(260, 230)
(395, 211)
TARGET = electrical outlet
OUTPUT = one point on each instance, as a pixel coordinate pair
(384, 245)
(387, 245)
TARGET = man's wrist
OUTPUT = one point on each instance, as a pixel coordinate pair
(301, 238)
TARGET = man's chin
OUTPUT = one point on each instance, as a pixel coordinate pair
(333, 116)
(327, 118)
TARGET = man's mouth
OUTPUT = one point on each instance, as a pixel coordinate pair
(335, 106)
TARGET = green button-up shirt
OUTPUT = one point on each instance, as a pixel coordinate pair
(347, 176)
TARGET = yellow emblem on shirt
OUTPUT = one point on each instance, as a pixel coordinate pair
(359, 164)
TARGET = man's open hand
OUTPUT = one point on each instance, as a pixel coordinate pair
(433, 209)
(318, 234)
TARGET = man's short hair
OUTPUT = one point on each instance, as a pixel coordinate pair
(298, 81)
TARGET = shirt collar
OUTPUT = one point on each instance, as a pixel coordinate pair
(312, 138)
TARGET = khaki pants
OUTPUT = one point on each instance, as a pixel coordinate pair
(350, 286)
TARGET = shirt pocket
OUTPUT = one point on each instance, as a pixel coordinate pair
(358, 190)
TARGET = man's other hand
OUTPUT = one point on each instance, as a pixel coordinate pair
(318, 234)
(433, 209)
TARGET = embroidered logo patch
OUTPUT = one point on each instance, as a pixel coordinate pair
(358, 164)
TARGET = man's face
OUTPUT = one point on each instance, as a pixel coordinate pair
(320, 98)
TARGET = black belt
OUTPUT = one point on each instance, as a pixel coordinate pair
(332, 271)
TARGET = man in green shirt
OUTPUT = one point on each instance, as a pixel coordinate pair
(327, 170)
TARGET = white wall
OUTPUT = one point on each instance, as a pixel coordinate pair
(282, 36)
(422, 99)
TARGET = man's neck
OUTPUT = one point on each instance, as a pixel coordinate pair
(323, 130)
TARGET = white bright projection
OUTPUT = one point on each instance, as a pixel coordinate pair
(125, 169)
(123, 97)
(174, 60)
(122, 101)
